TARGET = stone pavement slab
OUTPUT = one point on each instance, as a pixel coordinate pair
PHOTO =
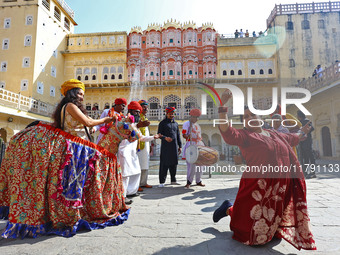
(174, 220)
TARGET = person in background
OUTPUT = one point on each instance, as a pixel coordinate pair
(144, 147)
(241, 33)
(171, 147)
(306, 147)
(127, 154)
(236, 33)
(118, 108)
(192, 134)
(277, 124)
(247, 33)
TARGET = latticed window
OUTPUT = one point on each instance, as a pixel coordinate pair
(305, 24)
(172, 101)
(190, 102)
(154, 103)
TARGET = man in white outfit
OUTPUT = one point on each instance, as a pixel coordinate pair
(127, 155)
(192, 134)
(143, 151)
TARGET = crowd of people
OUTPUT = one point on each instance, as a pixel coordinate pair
(55, 180)
(241, 34)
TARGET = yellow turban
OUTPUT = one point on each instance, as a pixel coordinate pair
(71, 84)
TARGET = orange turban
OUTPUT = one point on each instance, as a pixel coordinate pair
(195, 112)
(71, 84)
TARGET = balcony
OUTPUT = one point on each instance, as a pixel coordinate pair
(23, 103)
(46, 4)
(324, 80)
(284, 9)
(182, 113)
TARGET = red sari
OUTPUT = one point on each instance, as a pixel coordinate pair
(270, 204)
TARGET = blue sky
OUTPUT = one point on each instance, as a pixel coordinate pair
(121, 15)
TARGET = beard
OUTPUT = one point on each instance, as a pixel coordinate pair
(137, 118)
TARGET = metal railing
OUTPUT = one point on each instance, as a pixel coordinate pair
(297, 8)
(28, 104)
(322, 80)
(181, 113)
(46, 4)
(66, 7)
(57, 15)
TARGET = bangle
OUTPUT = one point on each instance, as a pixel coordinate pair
(222, 109)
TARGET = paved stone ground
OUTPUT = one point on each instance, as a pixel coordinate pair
(174, 220)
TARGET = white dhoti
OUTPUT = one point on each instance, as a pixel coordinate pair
(131, 184)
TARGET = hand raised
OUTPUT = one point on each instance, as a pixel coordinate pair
(226, 95)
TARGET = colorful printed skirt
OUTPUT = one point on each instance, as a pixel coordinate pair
(52, 182)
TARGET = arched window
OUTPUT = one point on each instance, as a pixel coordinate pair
(86, 77)
(270, 71)
(261, 71)
(105, 77)
(94, 77)
(305, 24)
(239, 72)
(252, 72)
(232, 72)
(113, 77)
(224, 72)
(154, 103)
(171, 72)
(120, 77)
(113, 69)
(105, 70)
(289, 25)
(88, 107)
(87, 70)
(79, 78)
(190, 72)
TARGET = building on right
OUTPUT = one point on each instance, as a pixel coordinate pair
(308, 37)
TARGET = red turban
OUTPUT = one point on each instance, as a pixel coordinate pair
(134, 105)
(195, 112)
(119, 101)
(170, 109)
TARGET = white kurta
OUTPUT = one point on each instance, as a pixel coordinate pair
(196, 139)
(128, 158)
(143, 155)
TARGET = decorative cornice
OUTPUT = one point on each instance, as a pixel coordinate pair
(189, 24)
(136, 30)
(207, 25)
(172, 23)
(154, 26)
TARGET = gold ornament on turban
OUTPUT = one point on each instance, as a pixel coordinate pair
(71, 84)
